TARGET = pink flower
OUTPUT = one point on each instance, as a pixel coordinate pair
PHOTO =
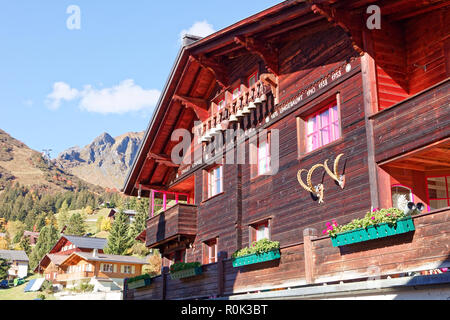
(373, 218)
(388, 214)
(328, 224)
(324, 231)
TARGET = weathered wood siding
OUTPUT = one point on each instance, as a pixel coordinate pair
(413, 123)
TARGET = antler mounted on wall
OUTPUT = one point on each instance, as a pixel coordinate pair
(317, 190)
(339, 178)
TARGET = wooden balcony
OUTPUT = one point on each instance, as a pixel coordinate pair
(174, 223)
(414, 123)
(64, 277)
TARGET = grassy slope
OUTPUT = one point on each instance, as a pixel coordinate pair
(17, 293)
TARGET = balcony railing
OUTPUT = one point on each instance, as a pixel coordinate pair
(314, 261)
(236, 108)
(74, 276)
(179, 220)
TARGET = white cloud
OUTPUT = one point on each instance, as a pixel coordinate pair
(61, 91)
(199, 28)
(119, 99)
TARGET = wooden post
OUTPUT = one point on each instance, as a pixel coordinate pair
(308, 235)
(220, 272)
(369, 81)
(164, 272)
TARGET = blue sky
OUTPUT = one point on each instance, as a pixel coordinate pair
(62, 87)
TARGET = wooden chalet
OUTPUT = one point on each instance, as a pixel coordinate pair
(49, 265)
(324, 86)
(105, 271)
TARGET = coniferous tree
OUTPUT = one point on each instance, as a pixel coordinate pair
(25, 245)
(138, 224)
(47, 239)
(4, 267)
(119, 240)
(76, 225)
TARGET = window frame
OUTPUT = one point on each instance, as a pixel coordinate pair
(302, 117)
(267, 156)
(318, 128)
(446, 178)
(212, 185)
(254, 74)
(253, 230)
(208, 245)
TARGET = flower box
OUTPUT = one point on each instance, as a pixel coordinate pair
(373, 232)
(138, 282)
(192, 272)
(256, 258)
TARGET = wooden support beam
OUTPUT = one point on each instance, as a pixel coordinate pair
(199, 106)
(149, 187)
(155, 156)
(268, 54)
(217, 68)
(348, 22)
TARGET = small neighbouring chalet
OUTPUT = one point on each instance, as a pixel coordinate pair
(352, 119)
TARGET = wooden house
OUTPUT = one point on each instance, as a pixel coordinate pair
(105, 271)
(18, 260)
(66, 245)
(308, 82)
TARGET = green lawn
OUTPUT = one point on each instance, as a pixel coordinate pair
(91, 220)
(17, 293)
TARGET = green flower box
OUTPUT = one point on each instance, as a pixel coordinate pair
(138, 282)
(187, 273)
(373, 232)
(256, 258)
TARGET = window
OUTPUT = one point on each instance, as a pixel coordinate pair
(163, 200)
(88, 267)
(215, 181)
(264, 156)
(210, 251)
(127, 269)
(259, 231)
(322, 128)
(400, 195)
(252, 79)
(236, 92)
(220, 105)
(107, 267)
(438, 192)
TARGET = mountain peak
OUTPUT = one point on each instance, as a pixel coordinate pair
(105, 161)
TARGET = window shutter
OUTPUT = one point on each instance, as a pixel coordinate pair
(122, 269)
(101, 267)
(115, 267)
(133, 269)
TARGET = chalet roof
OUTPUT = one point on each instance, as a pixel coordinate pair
(87, 242)
(81, 242)
(14, 255)
(57, 259)
(188, 69)
(127, 212)
(88, 256)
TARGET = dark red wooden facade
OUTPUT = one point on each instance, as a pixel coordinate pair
(392, 93)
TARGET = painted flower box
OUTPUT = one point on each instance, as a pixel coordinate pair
(138, 282)
(256, 258)
(373, 232)
(187, 273)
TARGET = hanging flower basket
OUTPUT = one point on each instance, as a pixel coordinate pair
(186, 273)
(256, 258)
(373, 232)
